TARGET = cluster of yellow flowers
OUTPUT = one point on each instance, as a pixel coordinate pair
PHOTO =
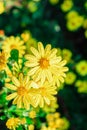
(76, 72)
(14, 122)
(55, 122)
(32, 80)
(74, 20)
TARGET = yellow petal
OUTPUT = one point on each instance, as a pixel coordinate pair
(35, 52)
(30, 57)
(47, 49)
(10, 86)
(11, 96)
(53, 53)
(55, 60)
(26, 103)
(41, 102)
(48, 75)
(15, 81)
(33, 64)
(47, 100)
(41, 48)
(15, 100)
(33, 70)
(19, 102)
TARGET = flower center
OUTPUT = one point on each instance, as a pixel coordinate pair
(83, 68)
(13, 46)
(22, 91)
(44, 63)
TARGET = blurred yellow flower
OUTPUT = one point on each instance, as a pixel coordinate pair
(23, 121)
(70, 78)
(30, 127)
(81, 86)
(53, 2)
(62, 124)
(12, 123)
(75, 23)
(81, 68)
(44, 63)
(30, 43)
(21, 91)
(85, 33)
(2, 7)
(85, 24)
(32, 6)
(32, 114)
(72, 14)
(66, 5)
(26, 36)
(13, 43)
(66, 54)
(54, 122)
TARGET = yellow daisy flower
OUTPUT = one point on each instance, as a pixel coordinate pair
(32, 6)
(81, 68)
(44, 94)
(21, 91)
(66, 5)
(12, 123)
(72, 14)
(13, 43)
(81, 86)
(44, 63)
(75, 23)
(70, 78)
(67, 54)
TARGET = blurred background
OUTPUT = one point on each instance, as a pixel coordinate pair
(63, 24)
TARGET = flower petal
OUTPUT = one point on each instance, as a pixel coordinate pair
(15, 81)
(11, 96)
(10, 86)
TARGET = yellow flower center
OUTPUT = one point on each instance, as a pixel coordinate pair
(44, 63)
(13, 46)
(22, 91)
(83, 67)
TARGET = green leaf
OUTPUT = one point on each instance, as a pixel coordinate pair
(14, 55)
(29, 121)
